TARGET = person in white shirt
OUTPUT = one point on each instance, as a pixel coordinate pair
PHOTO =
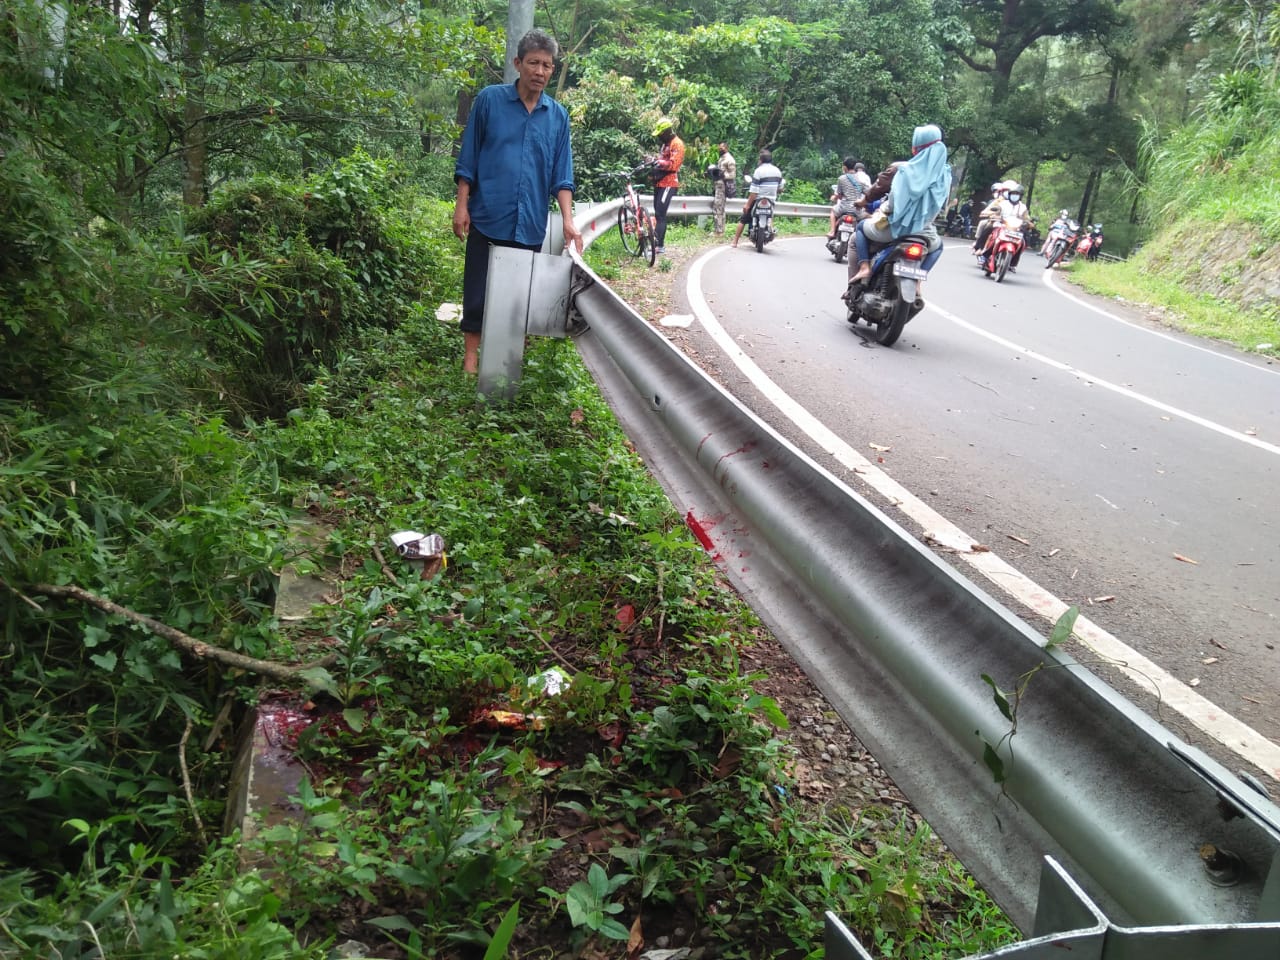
(766, 181)
(860, 174)
(848, 189)
(1009, 207)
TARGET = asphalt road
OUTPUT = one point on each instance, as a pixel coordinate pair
(1129, 471)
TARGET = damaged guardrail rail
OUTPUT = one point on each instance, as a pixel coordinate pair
(1109, 835)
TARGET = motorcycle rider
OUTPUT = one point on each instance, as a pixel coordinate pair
(848, 190)
(1019, 211)
(1008, 207)
(917, 189)
(1095, 244)
(984, 218)
(766, 182)
(1058, 226)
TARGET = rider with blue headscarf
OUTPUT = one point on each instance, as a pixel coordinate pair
(917, 188)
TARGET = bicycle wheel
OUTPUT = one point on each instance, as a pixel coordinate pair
(629, 228)
(648, 247)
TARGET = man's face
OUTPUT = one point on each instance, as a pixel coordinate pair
(535, 69)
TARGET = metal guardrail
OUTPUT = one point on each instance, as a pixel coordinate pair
(1171, 846)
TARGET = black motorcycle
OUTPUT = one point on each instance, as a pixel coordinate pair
(838, 246)
(761, 223)
(890, 296)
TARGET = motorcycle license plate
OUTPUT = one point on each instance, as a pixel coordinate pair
(909, 271)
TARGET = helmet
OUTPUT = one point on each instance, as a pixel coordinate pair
(662, 126)
(997, 187)
(1064, 214)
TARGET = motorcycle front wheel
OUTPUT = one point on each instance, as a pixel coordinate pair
(888, 332)
(1055, 253)
(1002, 264)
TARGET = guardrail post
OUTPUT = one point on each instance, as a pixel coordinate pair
(527, 295)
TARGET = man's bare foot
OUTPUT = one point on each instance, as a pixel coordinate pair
(864, 271)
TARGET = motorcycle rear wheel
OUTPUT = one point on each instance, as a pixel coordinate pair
(839, 255)
(1002, 264)
(760, 239)
(888, 332)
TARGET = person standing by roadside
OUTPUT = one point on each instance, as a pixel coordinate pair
(666, 173)
(515, 156)
(729, 170)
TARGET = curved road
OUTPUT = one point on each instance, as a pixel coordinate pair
(1128, 471)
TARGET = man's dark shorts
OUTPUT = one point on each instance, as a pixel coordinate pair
(475, 276)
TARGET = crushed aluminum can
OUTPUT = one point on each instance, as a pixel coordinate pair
(425, 549)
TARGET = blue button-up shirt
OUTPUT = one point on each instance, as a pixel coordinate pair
(516, 160)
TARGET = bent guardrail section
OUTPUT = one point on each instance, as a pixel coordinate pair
(897, 640)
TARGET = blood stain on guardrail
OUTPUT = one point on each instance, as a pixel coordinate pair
(698, 530)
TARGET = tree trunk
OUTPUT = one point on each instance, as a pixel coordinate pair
(1092, 186)
(194, 147)
(1087, 199)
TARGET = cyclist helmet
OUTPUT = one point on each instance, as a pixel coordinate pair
(662, 126)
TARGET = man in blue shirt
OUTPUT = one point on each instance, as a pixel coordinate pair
(515, 157)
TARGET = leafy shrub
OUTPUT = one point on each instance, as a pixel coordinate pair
(283, 271)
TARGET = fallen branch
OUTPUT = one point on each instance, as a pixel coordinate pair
(186, 780)
(184, 642)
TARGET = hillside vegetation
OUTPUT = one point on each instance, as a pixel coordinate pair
(1212, 204)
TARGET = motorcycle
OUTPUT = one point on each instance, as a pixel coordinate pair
(1003, 244)
(1062, 239)
(838, 246)
(761, 223)
(1090, 244)
(889, 297)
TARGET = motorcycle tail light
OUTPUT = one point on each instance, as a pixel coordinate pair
(848, 218)
(914, 251)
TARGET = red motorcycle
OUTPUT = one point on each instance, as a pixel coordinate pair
(1090, 245)
(1004, 243)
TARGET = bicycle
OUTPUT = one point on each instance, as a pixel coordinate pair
(635, 225)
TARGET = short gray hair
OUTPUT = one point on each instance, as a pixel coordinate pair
(537, 39)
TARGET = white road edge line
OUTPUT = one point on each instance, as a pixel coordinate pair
(1168, 690)
(1108, 385)
(1079, 301)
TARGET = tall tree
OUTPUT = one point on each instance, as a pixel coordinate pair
(989, 37)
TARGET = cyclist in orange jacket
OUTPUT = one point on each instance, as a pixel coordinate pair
(666, 174)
